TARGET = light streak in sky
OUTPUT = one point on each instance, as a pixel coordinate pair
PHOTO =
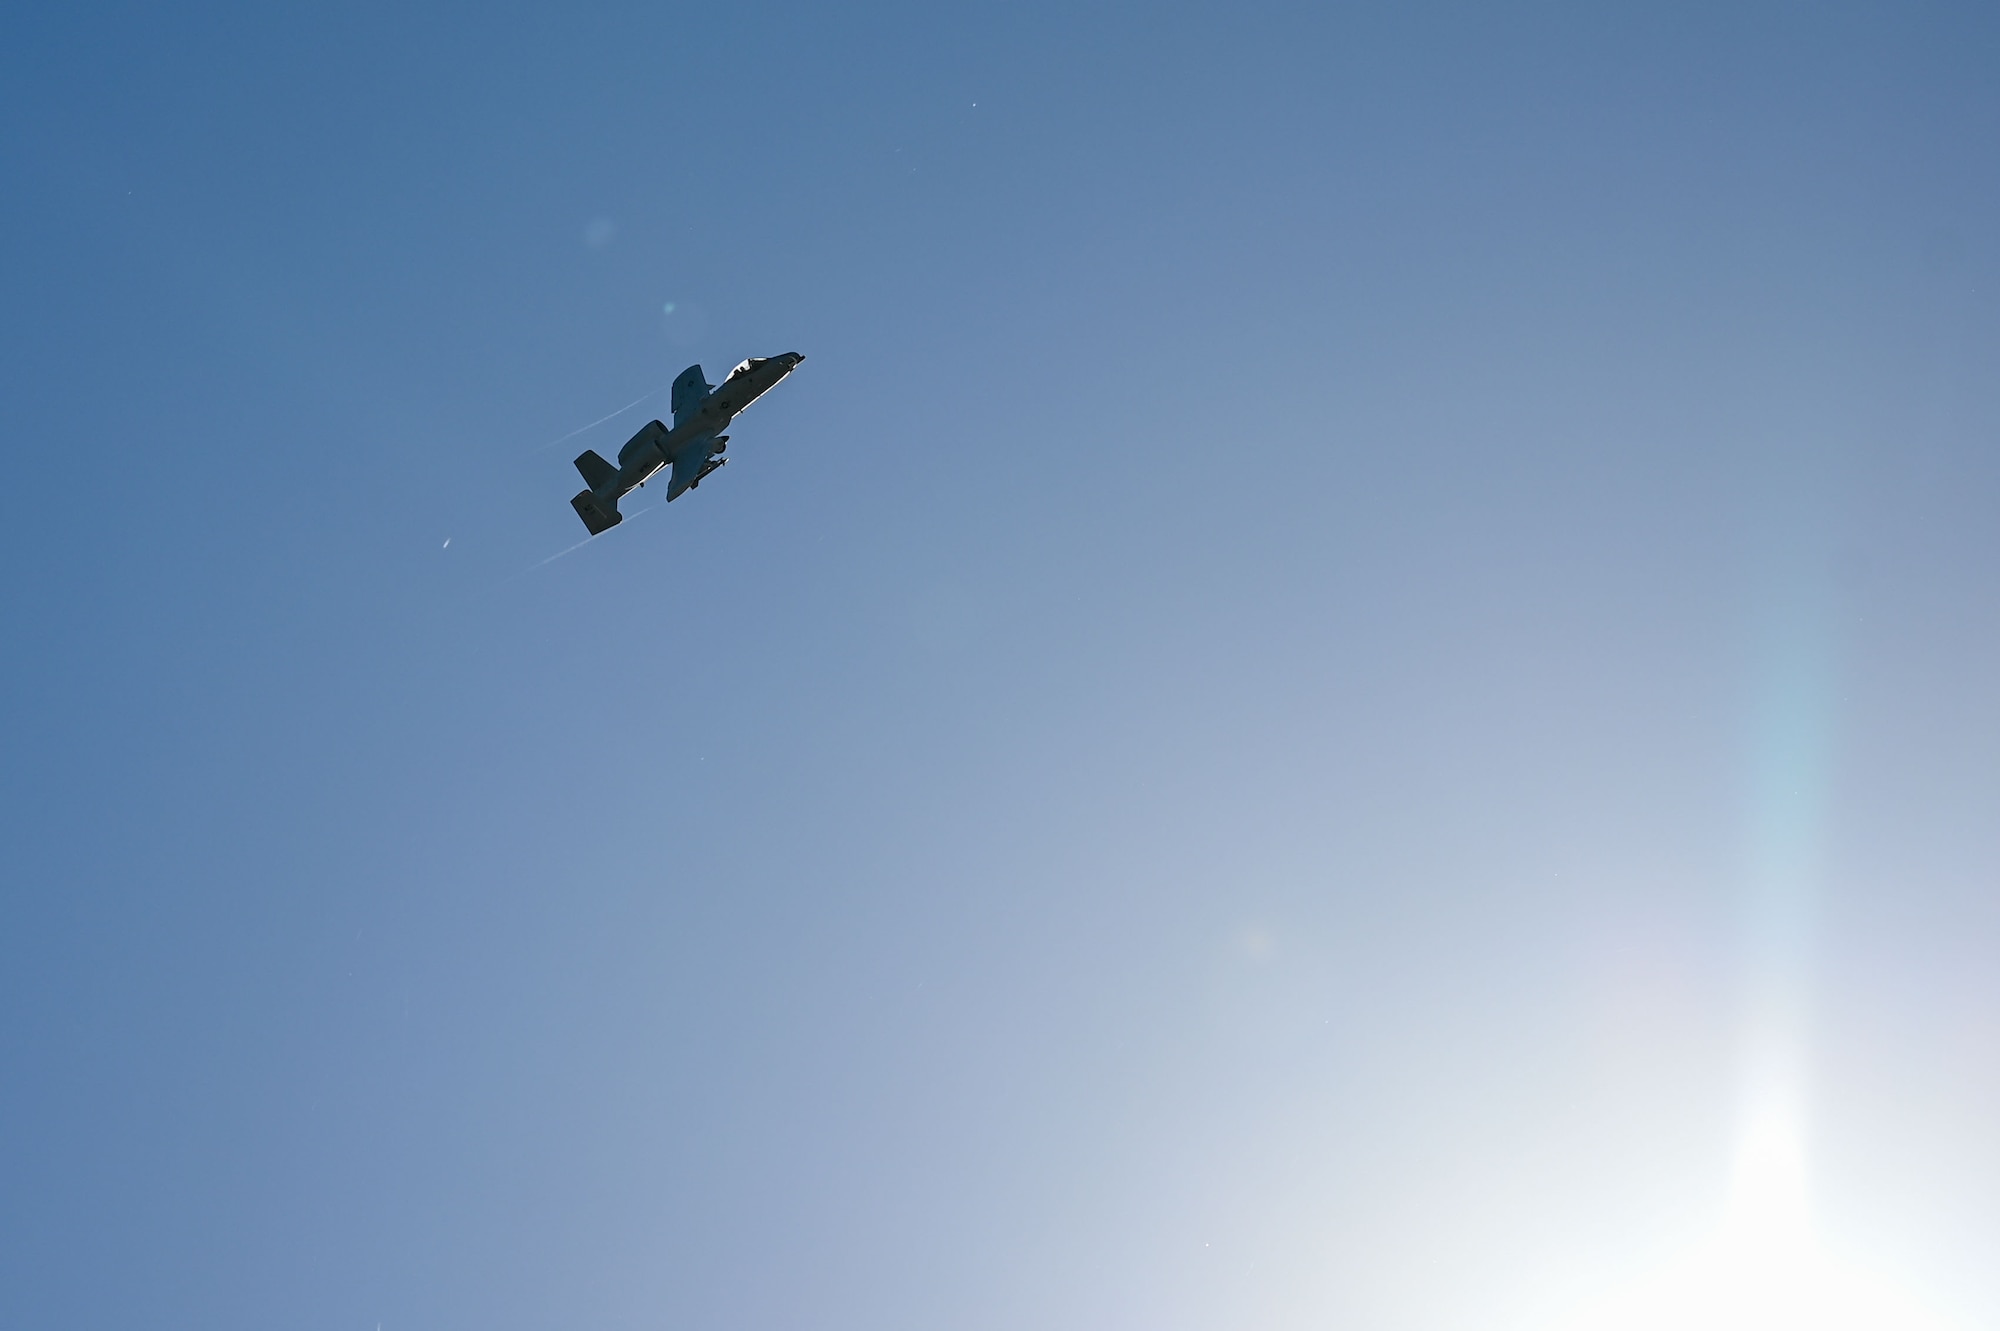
(586, 540)
(1766, 1266)
(650, 393)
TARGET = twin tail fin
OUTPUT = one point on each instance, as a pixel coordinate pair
(598, 474)
(597, 506)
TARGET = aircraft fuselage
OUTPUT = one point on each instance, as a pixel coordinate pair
(691, 446)
(646, 454)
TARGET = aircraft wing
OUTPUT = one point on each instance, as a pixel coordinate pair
(689, 468)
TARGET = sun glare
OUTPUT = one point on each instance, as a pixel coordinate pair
(1765, 1268)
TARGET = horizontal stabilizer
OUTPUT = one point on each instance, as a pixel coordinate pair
(598, 474)
(598, 515)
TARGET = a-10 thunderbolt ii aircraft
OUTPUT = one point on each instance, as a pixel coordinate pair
(693, 448)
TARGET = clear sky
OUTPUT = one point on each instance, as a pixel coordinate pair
(1365, 627)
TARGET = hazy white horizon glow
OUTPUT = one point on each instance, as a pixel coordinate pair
(1766, 1266)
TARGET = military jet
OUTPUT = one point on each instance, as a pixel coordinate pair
(693, 448)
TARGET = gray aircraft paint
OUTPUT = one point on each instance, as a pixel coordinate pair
(692, 447)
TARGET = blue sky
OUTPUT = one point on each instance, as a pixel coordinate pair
(1354, 613)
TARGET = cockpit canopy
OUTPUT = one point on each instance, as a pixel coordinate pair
(748, 365)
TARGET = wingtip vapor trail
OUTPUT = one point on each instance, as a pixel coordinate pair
(585, 541)
(651, 393)
(560, 553)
